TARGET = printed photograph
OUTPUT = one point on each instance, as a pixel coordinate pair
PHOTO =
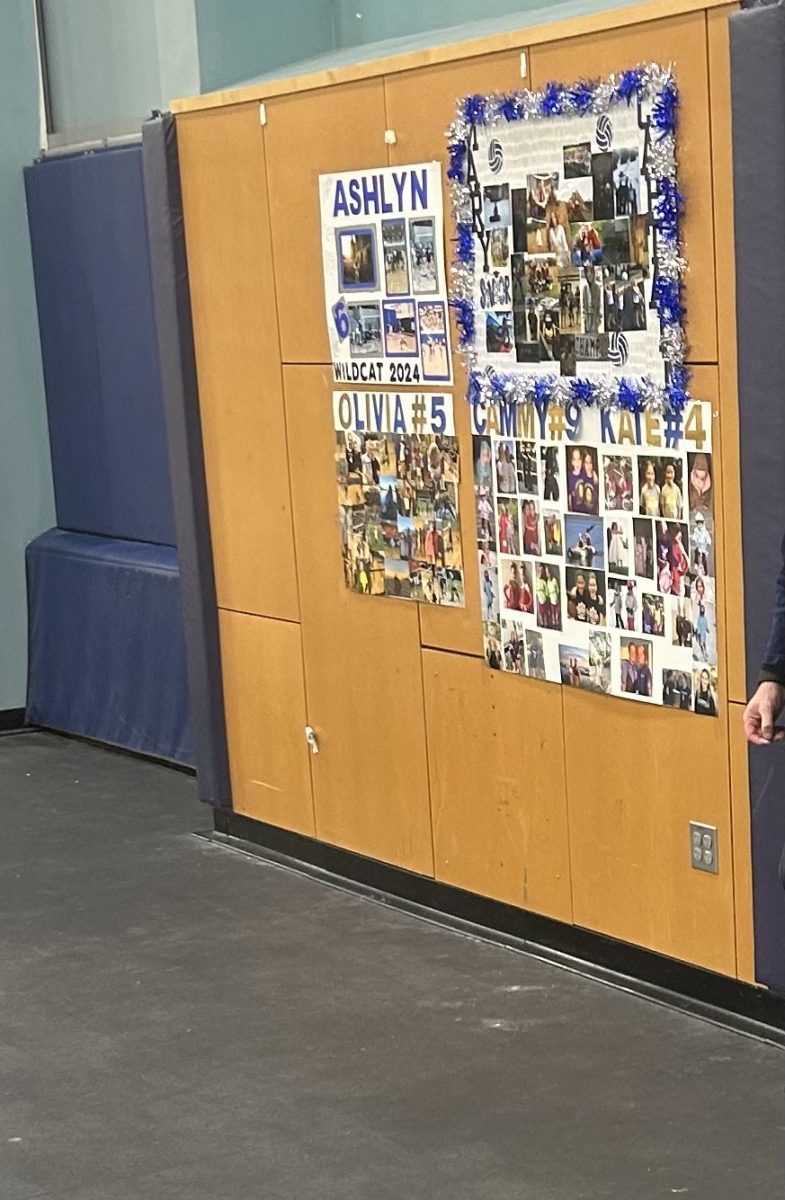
(531, 527)
(519, 220)
(357, 259)
(496, 206)
(616, 241)
(617, 474)
(624, 299)
(636, 667)
(623, 604)
(699, 484)
(542, 277)
(660, 487)
(400, 332)
(570, 302)
(396, 259)
(643, 552)
(704, 639)
(547, 595)
(600, 660)
(640, 228)
(584, 542)
(574, 666)
(702, 545)
(586, 244)
(422, 239)
(602, 182)
(627, 182)
(577, 160)
(513, 647)
(492, 638)
(433, 340)
(619, 538)
(542, 193)
(704, 691)
(489, 596)
(653, 614)
(500, 247)
(509, 527)
(549, 334)
(498, 332)
(701, 588)
(517, 586)
(518, 279)
(506, 472)
(552, 528)
(549, 468)
(673, 557)
(527, 467)
(526, 350)
(448, 584)
(535, 654)
(365, 331)
(483, 462)
(676, 689)
(486, 532)
(681, 620)
(568, 363)
(578, 198)
(582, 480)
(591, 311)
(397, 578)
(586, 599)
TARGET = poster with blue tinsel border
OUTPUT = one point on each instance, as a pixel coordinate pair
(593, 464)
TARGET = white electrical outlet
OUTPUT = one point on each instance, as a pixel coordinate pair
(703, 847)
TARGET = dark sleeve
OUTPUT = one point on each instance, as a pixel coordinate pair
(773, 668)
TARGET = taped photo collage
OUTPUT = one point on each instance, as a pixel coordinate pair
(596, 550)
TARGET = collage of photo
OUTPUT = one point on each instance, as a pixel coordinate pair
(398, 508)
(384, 272)
(566, 249)
(596, 558)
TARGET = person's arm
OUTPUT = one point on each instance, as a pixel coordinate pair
(769, 699)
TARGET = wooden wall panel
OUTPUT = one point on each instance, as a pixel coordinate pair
(742, 845)
(420, 137)
(363, 670)
(334, 129)
(265, 720)
(222, 167)
(497, 784)
(636, 776)
(722, 159)
(681, 41)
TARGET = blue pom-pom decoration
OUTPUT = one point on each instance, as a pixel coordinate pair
(630, 84)
(629, 395)
(475, 110)
(582, 392)
(510, 108)
(552, 100)
(663, 110)
(457, 167)
(465, 243)
(582, 97)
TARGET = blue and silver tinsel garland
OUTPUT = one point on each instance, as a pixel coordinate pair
(650, 82)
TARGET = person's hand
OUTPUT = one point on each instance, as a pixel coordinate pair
(761, 713)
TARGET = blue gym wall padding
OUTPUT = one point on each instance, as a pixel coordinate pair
(186, 456)
(757, 40)
(98, 339)
(107, 659)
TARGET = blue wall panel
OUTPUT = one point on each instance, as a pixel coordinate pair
(107, 657)
(95, 306)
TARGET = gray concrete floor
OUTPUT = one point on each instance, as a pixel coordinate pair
(180, 1022)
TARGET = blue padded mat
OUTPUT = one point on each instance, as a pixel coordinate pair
(107, 658)
(98, 339)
